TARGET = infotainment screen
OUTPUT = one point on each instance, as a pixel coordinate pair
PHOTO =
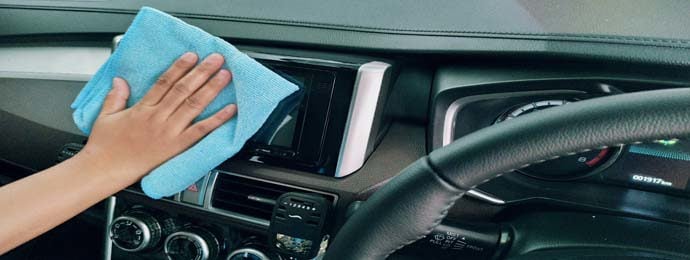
(305, 130)
(662, 164)
(280, 128)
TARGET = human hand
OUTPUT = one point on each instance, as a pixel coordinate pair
(135, 140)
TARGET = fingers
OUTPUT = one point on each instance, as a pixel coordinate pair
(185, 63)
(186, 86)
(203, 127)
(193, 105)
(116, 100)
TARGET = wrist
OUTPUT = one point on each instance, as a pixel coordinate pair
(100, 162)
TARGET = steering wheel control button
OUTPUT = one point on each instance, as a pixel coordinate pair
(192, 243)
(568, 167)
(297, 224)
(138, 230)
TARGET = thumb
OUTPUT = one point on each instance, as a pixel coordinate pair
(116, 100)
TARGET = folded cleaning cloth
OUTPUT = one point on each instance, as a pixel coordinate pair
(153, 41)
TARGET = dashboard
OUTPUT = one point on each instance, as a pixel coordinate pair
(375, 95)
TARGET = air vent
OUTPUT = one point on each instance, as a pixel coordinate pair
(250, 197)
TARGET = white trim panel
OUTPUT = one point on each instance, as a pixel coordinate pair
(358, 129)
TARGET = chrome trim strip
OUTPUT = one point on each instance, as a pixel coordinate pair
(51, 62)
(357, 139)
(109, 215)
(302, 60)
(449, 119)
(205, 250)
(477, 194)
(116, 41)
(248, 250)
(45, 76)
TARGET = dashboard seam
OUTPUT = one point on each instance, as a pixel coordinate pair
(661, 42)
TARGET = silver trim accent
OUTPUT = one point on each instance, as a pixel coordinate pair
(51, 61)
(358, 141)
(294, 216)
(109, 215)
(302, 60)
(146, 232)
(261, 200)
(116, 41)
(205, 251)
(477, 194)
(248, 250)
(449, 119)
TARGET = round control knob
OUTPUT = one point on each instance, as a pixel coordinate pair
(135, 231)
(192, 243)
(247, 253)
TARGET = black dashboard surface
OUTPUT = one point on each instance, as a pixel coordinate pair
(602, 29)
(584, 20)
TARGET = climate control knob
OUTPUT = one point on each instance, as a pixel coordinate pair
(192, 243)
(137, 230)
(248, 254)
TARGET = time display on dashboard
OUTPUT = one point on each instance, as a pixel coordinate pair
(662, 164)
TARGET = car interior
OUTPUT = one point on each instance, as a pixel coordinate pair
(476, 129)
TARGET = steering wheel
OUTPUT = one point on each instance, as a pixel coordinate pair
(417, 200)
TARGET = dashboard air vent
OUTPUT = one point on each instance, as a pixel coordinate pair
(250, 197)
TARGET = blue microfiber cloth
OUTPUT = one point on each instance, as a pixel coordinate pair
(153, 41)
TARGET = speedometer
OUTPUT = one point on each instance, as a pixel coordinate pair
(564, 168)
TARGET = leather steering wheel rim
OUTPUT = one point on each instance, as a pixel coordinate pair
(414, 202)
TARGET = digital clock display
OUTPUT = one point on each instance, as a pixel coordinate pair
(662, 164)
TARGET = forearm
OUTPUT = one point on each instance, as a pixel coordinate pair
(38, 203)
(124, 144)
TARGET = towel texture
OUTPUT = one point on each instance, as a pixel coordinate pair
(153, 41)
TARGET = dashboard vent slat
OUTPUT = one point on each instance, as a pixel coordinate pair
(249, 197)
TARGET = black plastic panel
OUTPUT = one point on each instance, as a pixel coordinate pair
(596, 235)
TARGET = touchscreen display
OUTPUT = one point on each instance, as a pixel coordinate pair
(279, 129)
(303, 130)
(662, 164)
